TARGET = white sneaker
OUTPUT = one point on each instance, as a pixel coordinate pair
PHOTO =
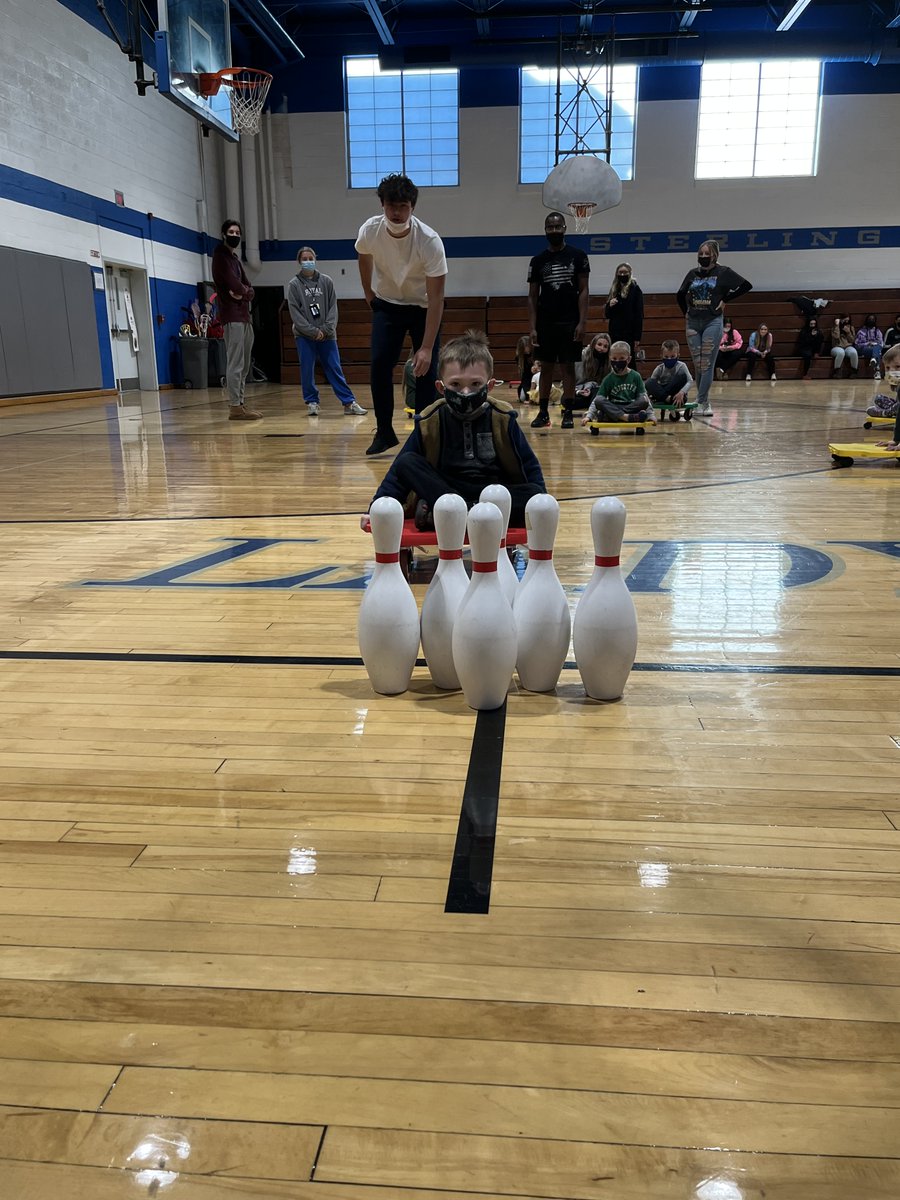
(704, 409)
(312, 409)
(747, 378)
(877, 373)
(773, 377)
(354, 410)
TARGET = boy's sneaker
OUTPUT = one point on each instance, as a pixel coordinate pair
(705, 409)
(773, 377)
(747, 378)
(541, 421)
(424, 518)
(312, 410)
(877, 373)
(567, 422)
(354, 410)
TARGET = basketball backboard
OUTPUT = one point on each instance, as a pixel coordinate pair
(582, 180)
(194, 37)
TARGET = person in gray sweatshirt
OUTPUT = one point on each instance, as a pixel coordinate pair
(313, 307)
(671, 380)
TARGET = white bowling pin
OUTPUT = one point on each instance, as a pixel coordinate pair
(541, 610)
(445, 592)
(388, 627)
(605, 626)
(484, 634)
(496, 493)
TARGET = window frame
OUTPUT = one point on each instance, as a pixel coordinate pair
(550, 160)
(754, 173)
(406, 131)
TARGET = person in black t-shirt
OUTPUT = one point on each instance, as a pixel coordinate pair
(558, 311)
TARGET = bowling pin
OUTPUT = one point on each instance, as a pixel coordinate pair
(496, 493)
(388, 627)
(605, 626)
(445, 592)
(540, 609)
(484, 633)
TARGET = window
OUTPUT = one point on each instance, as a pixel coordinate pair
(405, 121)
(584, 128)
(758, 118)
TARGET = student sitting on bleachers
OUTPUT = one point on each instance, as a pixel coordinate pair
(809, 344)
(730, 349)
(870, 343)
(843, 336)
(760, 350)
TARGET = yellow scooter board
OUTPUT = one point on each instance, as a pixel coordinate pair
(878, 422)
(843, 453)
(638, 428)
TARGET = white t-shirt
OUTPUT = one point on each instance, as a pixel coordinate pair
(402, 264)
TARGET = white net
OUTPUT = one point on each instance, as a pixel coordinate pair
(582, 212)
(248, 89)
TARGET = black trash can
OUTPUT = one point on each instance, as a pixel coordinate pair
(217, 362)
(194, 361)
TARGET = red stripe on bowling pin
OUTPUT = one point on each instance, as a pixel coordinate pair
(600, 561)
(484, 568)
(387, 558)
(540, 555)
(450, 553)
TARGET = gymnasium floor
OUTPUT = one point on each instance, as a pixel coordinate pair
(226, 966)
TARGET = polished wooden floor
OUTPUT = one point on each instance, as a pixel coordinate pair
(226, 969)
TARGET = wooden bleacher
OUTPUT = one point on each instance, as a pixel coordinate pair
(505, 318)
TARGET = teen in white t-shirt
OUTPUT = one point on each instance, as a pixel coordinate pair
(403, 269)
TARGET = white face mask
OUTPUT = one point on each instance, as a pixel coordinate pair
(397, 227)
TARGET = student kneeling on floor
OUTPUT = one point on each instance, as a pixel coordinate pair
(464, 441)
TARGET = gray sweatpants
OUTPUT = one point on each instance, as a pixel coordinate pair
(238, 347)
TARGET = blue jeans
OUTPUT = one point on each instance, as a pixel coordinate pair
(390, 325)
(871, 353)
(325, 352)
(703, 333)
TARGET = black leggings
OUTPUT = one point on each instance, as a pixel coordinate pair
(727, 359)
(753, 359)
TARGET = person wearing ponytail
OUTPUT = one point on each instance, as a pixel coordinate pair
(702, 297)
(234, 298)
(625, 310)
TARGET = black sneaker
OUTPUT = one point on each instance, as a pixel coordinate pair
(567, 421)
(382, 442)
(541, 421)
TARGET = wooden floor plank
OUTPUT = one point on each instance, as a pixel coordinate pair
(226, 879)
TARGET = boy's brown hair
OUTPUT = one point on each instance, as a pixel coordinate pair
(671, 345)
(469, 349)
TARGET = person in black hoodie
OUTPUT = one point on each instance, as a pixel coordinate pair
(809, 344)
(625, 310)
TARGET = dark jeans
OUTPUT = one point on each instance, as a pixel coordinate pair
(664, 393)
(753, 359)
(807, 357)
(390, 325)
(727, 359)
(417, 474)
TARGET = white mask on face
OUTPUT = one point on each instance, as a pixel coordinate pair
(397, 227)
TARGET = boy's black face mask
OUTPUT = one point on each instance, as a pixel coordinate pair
(466, 405)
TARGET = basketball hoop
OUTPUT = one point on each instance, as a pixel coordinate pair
(582, 212)
(249, 88)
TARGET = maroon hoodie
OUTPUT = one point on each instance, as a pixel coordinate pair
(228, 276)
